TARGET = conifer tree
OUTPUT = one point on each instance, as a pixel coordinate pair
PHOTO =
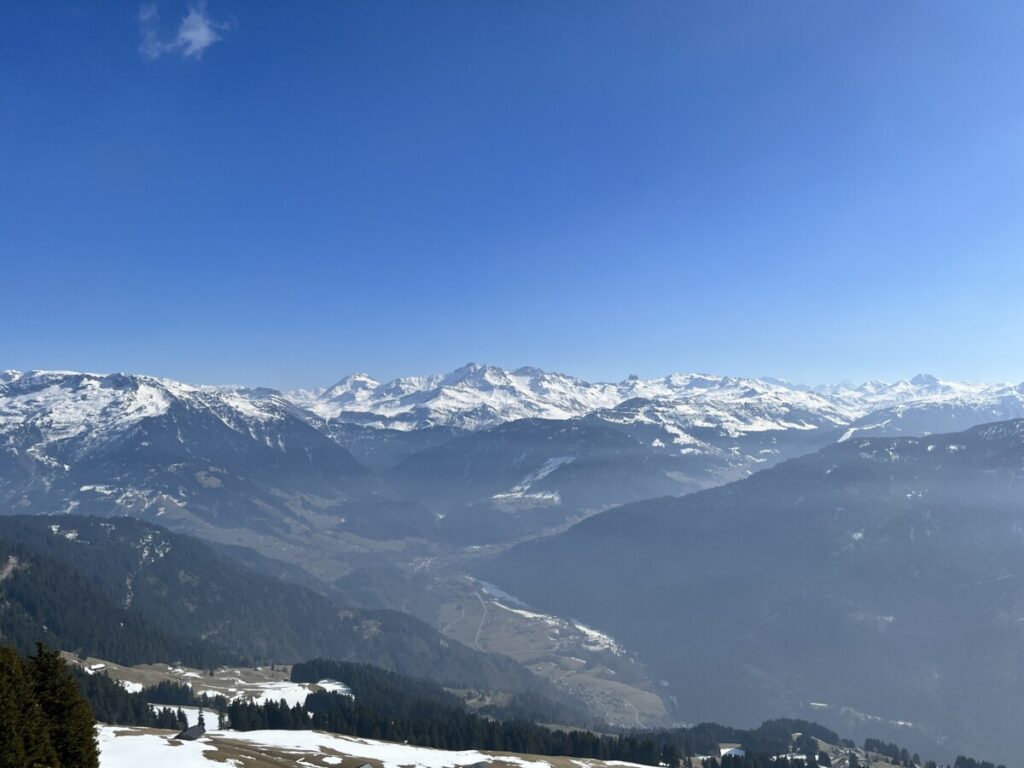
(12, 741)
(24, 737)
(72, 732)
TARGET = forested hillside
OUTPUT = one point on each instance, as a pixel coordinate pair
(75, 580)
(43, 600)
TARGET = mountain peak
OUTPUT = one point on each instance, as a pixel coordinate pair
(353, 382)
(356, 378)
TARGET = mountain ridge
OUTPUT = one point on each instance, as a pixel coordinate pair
(218, 457)
(477, 396)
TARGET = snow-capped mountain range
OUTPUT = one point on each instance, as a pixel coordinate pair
(480, 396)
(80, 410)
(155, 447)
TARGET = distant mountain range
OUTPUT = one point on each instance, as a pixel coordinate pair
(480, 396)
(473, 445)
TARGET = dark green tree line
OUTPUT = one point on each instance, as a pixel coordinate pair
(44, 720)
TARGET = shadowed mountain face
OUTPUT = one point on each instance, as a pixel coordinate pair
(528, 476)
(380, 448)
(883, 575)
(516, 477)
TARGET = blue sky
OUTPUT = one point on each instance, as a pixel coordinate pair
(280, 193)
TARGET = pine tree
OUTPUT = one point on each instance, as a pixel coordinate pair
(39, 750)
(72, 732)
(24, 736)
(12, 741)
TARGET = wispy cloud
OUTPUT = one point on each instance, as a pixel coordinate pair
(195, 33)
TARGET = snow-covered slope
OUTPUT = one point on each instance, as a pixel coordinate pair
(950, 410)
(727, 406)
(42, 410)
(145, 445)
(127, 747)
(470, 397)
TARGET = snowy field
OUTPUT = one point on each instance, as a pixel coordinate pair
(124, 747)
(130, 747)
(260, 684)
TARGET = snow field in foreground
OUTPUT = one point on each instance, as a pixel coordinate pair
(125, 747)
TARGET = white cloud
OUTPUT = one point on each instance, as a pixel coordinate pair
(196, 32)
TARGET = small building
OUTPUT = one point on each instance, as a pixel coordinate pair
(191, 733)
(731, 750)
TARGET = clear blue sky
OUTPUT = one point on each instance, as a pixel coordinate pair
(279, 193)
